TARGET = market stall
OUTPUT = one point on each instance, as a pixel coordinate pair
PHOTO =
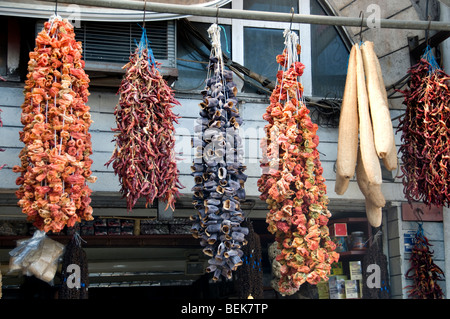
(204, 210)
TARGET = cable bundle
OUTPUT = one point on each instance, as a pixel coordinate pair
(218, 169)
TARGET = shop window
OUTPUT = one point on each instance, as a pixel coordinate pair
(261, 46)
(329, 57)
(193, 55)
(107, 46)
(256, 44)
(271, 6)
(3, 45)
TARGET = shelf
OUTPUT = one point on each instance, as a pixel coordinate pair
(349, 220)
(183, 240)
(361, 252)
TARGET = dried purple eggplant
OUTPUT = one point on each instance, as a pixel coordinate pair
(218, 171)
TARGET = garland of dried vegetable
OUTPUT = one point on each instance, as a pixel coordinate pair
(424, 272)
(292, 182)
(425, 128)
(249, 276)
(74, 254)
(144, 157)
(55, 163)
(375, 256)
(218, 170)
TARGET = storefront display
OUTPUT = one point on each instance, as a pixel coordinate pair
(255, 220)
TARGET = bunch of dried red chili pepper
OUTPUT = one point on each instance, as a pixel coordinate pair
(291, 182)
(425, 128)
(218, 170)
(55, 163)
(424, 272)
(144, 156)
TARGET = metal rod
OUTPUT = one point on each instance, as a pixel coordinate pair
(259, 15)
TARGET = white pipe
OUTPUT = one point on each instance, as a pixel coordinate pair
(258, 15)
(445, 46)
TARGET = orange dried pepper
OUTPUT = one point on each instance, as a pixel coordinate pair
(50, 169)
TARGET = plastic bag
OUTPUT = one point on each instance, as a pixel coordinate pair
(38, 256)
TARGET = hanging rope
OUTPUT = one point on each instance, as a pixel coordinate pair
(216, 46)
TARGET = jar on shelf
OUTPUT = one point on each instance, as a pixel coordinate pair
(357, 240)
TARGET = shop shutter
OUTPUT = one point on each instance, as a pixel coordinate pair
(107, 45)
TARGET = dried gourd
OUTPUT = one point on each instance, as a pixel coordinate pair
(348, 129)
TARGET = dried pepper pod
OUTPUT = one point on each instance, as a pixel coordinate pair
(144, 156)
(291, 182)
(218, 170)
(55, 163)
(425, 129)
(424, 272)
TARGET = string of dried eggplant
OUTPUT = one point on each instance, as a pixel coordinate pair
(218, 169)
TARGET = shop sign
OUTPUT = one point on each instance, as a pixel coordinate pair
(408, 239)
(422, 212)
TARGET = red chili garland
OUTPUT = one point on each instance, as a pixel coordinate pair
(144, 157)
(293, 186)
(55, 163)
(425, 127)
(424, 272)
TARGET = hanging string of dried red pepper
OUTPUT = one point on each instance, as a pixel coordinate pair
(292, 183)
(425, 128)
(144, 156)
(424, 272)
(55, 163)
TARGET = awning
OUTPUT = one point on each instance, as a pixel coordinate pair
(45, 9)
